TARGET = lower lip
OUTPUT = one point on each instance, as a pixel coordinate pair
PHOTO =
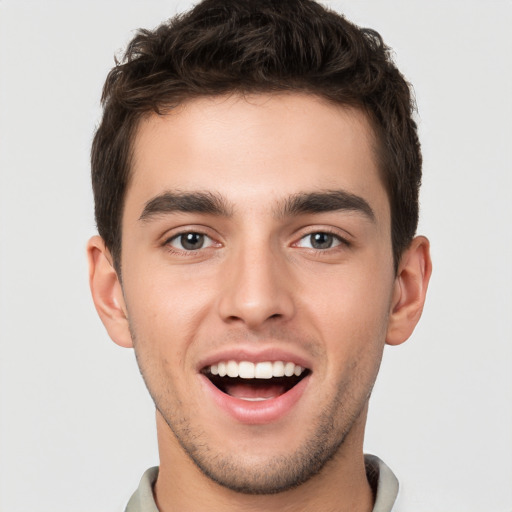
(260, 412)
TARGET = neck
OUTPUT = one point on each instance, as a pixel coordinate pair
(341, 486)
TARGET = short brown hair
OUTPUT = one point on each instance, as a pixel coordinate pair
(257, 46)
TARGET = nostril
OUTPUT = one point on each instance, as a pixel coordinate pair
(254, 300)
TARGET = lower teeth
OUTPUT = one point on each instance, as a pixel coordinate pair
(259, 399)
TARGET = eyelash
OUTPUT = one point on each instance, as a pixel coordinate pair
(341, 241)
(187, 252)
(338, 240)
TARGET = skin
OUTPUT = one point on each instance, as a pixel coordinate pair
(258, 283)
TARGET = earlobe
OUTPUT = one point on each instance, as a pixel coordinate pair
(410, 289)
(107, 292)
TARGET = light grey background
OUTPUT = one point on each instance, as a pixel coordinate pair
(76, 424)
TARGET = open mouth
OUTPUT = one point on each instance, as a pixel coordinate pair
(255, 381)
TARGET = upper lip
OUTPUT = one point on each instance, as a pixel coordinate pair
(254, 355)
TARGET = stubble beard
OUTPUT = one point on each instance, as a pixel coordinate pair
(279, 473)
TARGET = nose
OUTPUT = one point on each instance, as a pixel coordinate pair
(256, 289)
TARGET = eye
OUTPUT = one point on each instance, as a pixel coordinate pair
(191, 241)
(320, 241)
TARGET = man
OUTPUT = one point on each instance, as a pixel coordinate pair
(256, 178)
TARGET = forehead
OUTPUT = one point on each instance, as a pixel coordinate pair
(255, 150)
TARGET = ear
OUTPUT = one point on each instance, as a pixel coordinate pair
(107, 292)
(409, 292)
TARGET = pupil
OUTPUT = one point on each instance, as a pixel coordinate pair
(321, 240)
(192, 241)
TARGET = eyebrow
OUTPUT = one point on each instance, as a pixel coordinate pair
(297, 204)
(328, 201)
(186, 202)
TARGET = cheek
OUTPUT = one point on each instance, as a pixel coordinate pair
(164, 313)
(166, 308)
(163, 292)
(350, 310)
(354, 327)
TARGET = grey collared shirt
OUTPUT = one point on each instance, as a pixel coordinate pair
(382, 480)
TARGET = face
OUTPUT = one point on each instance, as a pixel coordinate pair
(257, 280)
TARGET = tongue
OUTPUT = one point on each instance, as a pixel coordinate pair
(253, 392)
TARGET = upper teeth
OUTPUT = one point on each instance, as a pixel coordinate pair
(248, 370)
